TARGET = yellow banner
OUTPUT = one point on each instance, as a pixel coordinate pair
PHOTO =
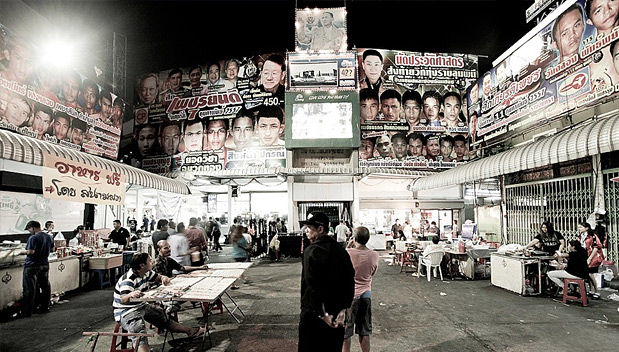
(77, 182)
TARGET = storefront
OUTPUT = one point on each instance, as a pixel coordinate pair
(563, 178)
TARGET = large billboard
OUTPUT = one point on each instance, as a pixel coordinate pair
(225, 114)
(566, 64)
(411, 108)
(57, 106)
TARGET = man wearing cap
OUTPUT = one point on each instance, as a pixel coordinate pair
(36, 270)
(327, 288)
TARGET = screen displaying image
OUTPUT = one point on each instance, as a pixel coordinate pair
(322, 120)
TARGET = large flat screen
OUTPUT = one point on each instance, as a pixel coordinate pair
(322, 120)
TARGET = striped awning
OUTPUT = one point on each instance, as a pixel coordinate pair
(298, 171)
(593, 137)
(29, 150)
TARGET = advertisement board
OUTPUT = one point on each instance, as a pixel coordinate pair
(16, 209)
(322, 71)
(317, 119)
(566, 64)
(225, 114)
(57, 106)
(411, 108)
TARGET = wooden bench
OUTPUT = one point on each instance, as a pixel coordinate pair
(116, 345)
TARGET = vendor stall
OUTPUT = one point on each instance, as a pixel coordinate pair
(518, 273)
(63, 276)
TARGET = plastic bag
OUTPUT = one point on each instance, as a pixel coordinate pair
(608, 275)
(73, 242)
(59, 236)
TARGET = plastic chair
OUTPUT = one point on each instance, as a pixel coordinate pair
(407, 261)
(432, 260)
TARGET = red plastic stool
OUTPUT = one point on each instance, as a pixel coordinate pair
(581, 286)
(124, 341)
(206, 307)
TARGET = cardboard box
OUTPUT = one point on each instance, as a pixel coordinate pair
(106, 262)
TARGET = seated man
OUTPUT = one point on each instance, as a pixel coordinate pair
(166, 265)
(434, 247)
(131, 314)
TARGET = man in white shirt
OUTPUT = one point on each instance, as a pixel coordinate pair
(342, 232)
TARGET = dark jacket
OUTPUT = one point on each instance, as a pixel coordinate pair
(328, 277)
(577, 264)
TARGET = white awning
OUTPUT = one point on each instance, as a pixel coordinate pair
(29, 150)
(594, 137)
(284, 171)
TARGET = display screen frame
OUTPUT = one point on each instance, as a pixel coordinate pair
(311, 101)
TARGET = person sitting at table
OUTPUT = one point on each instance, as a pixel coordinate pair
(576, 267)
(548, 240)
(131, 314)
(434, 247)
(166, 265)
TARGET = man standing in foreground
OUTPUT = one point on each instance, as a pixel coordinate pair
(36, 270)
(359, 315)
(327, 288)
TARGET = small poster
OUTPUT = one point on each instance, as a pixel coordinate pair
(321, 29)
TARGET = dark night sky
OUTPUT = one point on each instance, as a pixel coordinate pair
(164, 34)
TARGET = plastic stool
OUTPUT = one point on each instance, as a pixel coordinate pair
(124, 341)
(581, 286)
(210, 306)
(102, 281)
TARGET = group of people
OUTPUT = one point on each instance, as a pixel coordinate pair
(584, 257)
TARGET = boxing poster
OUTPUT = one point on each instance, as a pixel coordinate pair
(224, 114)
(58, 106)
(412, 110)
(565, 66)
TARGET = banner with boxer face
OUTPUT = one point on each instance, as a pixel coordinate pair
(411, 108)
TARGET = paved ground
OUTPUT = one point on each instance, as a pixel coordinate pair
(409, 314)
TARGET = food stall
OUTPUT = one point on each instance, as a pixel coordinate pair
(518, 273)
(64, 273)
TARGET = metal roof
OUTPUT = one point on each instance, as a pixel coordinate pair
(29, 150)
(594, 137)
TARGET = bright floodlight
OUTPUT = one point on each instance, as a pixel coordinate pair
(57, 54)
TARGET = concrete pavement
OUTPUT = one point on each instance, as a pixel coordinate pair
(409, 314)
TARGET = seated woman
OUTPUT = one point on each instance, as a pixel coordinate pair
(548, 240)
(593, 248)
(576, 267)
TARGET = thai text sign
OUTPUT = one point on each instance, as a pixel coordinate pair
(77, 182)
(565, 65)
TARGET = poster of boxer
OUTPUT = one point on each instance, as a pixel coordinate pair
(411, 108)
(565, 66)
(57, 106)
(224, 114)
